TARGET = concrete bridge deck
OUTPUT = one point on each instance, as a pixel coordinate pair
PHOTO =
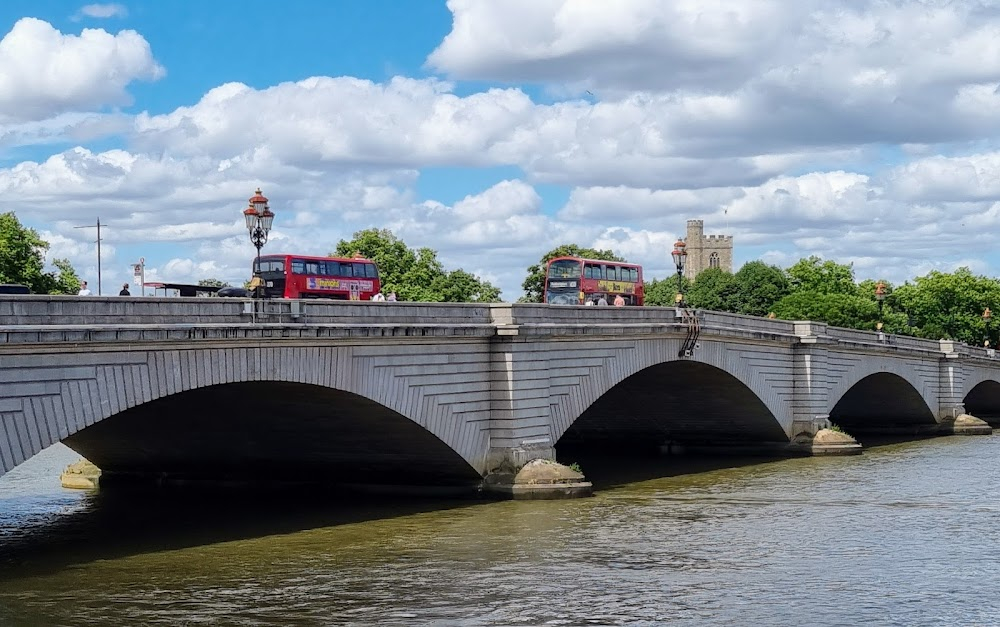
(444, 394)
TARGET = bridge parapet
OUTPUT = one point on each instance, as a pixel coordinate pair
(97, 310)
(883, 341)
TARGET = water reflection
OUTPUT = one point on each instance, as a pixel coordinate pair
(901, 535)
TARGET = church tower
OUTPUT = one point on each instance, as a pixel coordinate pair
(706, 251)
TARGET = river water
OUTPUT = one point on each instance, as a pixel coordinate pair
(906, 534)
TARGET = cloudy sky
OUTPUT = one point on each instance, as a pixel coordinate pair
(864, 132)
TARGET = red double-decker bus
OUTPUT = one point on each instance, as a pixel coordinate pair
(298, 276)
(574, 281)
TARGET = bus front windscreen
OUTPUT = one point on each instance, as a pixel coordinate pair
(562, 287)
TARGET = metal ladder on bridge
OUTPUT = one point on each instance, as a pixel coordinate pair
(689, 317)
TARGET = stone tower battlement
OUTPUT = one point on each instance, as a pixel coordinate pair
(706, 251)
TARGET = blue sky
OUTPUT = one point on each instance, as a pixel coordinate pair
(493, 132)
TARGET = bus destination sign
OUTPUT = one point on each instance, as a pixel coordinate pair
(557, 284)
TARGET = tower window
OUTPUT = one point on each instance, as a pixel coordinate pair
(713, 260)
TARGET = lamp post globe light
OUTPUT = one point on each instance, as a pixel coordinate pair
(679, 255)
(259, 219)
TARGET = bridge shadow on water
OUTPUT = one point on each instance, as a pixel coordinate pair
(124, 521)
(611, 467)
(129, 520)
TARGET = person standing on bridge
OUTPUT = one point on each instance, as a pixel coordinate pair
(602, 301)
(84, 290)
(619, 301)
(125, 291)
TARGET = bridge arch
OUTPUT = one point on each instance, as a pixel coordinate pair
(922, 378)
(883, 402)
(755, 374)
(982, 394)
(86, 392)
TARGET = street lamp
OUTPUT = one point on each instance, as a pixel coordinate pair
(259, 218)
(880, 296)
(987, 316)
(680, 256)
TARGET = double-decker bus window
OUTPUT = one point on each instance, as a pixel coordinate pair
(371, 271)
(611, 273)
(564, 270)
(359, 269)
(298, 266)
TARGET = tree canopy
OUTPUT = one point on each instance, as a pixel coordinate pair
(711, 289)
(822, 277)
(663, 292)
(948, 305)
(534, 284)
(415, 275)
(22, 260)
(756, 286)
(212, 283)
(938, 305)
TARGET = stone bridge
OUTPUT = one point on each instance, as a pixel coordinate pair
(442, 394)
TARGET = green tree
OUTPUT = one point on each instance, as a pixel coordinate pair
(948, 305)
(415, 275)
(534, 284)
(458, 286)
(389, 252)
(212, 283)
(65, 280)
(840, 310)
(712, 289)
(756, 288)
(22, 260)
(663, 292)
(823, 277)
(419, 279)
(22, 255)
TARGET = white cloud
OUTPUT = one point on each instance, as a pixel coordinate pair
(101, 11)
(730, 76)
(594, 43)
(955, 179)
(45, 72)
(408, 123)
(721, 45)
(853, 131)
(341, 120)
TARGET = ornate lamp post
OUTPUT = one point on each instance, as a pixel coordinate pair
(680, 256)
(880, 296)
(259, 218)
(987, 317)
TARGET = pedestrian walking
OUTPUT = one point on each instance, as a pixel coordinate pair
(619, 301)
(84, 290)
